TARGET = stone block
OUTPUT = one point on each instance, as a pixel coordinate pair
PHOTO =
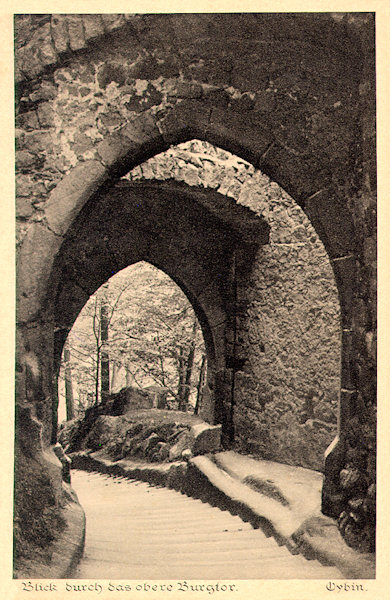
(28, 121)
(352, 481)
(299, 176)
(76, 31)
(112, 22)
(25, 161)
(38, 53)
(81, 144)
(19, 75)
(184, 441)
(93, 26)
(150, 443)
(111, 72)
(103, 431)
(148, 98)
(20, 137)
(34, 264)
(46, 115)
(243, 134)
(70, 195)
(38, 142)
(59, 31)
(207, 438)
(135, 142)
(146, 68)
(162, 451)
(210, 300)
(26, 63)
(24, 208)
(345, 270)
(65, 461)
(217, 98)
(46, 51)
(333, 223)
(185, 121)
(46, 91)
(177, 475)
(185, 89)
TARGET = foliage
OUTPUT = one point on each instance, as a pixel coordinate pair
(154, 339)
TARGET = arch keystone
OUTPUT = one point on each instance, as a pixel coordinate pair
(189, 119)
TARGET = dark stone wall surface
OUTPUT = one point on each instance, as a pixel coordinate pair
(293, 94)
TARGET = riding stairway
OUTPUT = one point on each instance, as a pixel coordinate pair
(136, 531)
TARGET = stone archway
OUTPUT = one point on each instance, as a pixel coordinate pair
(196, 237)
(293, 94)
(144, 136)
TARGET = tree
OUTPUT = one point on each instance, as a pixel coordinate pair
(184, 399)
(104, 356)
(140, 329)
(201, 383)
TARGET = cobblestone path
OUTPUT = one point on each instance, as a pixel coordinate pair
(136, 531)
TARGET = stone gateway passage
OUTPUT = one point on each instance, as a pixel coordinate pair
(136, 531)
(236, 153)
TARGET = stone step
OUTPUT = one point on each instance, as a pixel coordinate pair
(223, 538)
(127, 537)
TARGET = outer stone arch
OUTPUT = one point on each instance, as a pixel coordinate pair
(145, 136)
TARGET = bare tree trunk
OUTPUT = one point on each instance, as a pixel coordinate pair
(189, 366)
(187, 383)
(97, 374)
(114, 374)
(104, 358)
(180, 387)
(201, 382)
(128, 377)
(69, 400)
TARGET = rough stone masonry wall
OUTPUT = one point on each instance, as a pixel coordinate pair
(357, 518)
(293, 94)
(286, 396)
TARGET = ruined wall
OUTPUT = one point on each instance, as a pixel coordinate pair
(292, 94)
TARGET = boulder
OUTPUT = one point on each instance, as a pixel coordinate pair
(163, 451)
(184, 440)
(102, 431)
(150, 443)
(206, 438)
(65, 461)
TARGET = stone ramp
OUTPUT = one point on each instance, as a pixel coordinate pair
(136, 531)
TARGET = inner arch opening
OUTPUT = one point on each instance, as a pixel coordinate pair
(137, 332)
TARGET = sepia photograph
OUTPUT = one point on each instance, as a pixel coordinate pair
(196, 285)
